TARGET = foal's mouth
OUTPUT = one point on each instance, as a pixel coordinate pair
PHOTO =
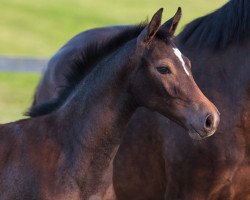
(197, 135)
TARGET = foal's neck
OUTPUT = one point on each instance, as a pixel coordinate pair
(103, 98)
(96, 116)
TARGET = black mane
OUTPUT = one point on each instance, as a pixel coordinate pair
(85, 60)
(228, 25)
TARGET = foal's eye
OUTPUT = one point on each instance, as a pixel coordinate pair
(163, 70)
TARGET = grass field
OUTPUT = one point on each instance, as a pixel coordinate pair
(40, 27)
(16, 91)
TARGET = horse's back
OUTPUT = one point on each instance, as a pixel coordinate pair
(10, 160)
(28, 160)
(7, 142)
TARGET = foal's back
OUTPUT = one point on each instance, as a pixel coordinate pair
(16, 146)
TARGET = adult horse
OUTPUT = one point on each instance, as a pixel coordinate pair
(68, 153)
(147, 167)
(218, 45)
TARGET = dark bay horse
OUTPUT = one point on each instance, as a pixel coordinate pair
(175, 167)
(218, 46)
(67, 153)
(217, 168)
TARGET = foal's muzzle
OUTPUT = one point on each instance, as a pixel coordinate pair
(206, 126)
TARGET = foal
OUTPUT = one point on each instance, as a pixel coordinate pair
(68, 154)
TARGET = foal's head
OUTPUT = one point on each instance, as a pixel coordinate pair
(163, 80)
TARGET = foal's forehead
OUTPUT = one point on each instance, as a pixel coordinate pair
(175, 54)
(179, 55)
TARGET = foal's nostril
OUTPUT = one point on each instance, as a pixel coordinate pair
(209, 122)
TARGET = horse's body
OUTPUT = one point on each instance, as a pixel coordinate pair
(171, 165)
(180, 168)
(67, 154)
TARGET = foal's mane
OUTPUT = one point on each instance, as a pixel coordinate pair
(230, 24)
(85, 60)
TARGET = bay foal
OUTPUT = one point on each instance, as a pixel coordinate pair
(68, 153)
(157, 159)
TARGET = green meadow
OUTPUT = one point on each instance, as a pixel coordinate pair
(16, 92)
(40, 27)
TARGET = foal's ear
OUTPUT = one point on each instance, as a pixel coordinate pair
(171, 25)
(151, 29)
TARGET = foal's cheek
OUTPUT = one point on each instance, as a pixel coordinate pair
(169, 86)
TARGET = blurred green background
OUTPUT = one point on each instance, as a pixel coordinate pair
(40, 27)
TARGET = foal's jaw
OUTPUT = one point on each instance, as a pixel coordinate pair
(200, 135)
